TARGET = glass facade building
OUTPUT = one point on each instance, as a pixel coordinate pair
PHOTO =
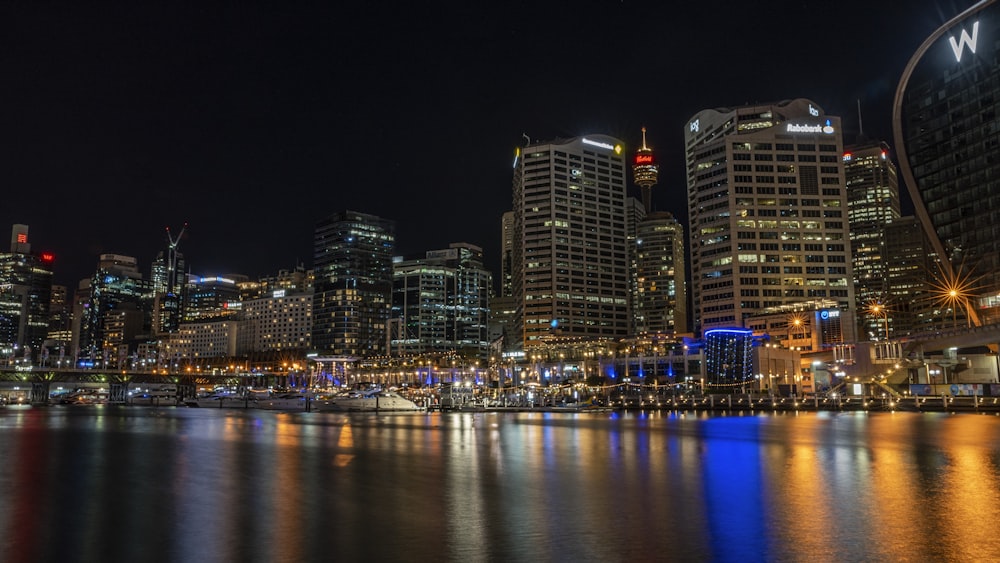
(352, 266)
(947, 137)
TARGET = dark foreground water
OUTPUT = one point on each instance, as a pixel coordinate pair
(192, 485)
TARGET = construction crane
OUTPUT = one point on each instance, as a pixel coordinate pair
(173, 243)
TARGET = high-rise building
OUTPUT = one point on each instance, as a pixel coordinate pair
(507, 254)
(872, 203)
(945, 127)
(25, 294)
(661, 301)
(570, 272)
(213, 297)
(442, 302)
(353, 284)
(109, 304)
(278, 322)
(767, 208)
(910, 267)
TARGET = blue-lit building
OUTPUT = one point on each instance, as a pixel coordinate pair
(729, 361)
(115, 310)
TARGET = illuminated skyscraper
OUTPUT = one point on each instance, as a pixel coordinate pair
(353, 284)
(660, 305)
(767, 206)
(570, 262)
(25, 293)
(442, 301)
(946, 135)
(872, 203)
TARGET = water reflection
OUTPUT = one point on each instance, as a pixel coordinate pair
(175, 484)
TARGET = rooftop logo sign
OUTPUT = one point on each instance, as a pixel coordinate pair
(797, 128)
(965, 39)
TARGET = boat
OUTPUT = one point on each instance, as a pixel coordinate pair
(365, 401)
(85, 397)
(165, 396)
(302, 402)
(222, 401)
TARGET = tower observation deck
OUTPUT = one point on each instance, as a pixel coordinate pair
(645, 172)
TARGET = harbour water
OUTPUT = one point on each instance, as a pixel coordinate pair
(109, 483)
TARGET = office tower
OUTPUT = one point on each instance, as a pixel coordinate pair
(25, 293)
(353, 284)
(504, 306)
(198, 343)
(116, 308)
(167, 278)
(910, 269)
(768, 211)
(213, 297)
(635, 213)
(661, 301)
(872, 203)
(945, 127)
(60, 315)
(570, 250)
(442, 302)
(280, 321)
(507, 254)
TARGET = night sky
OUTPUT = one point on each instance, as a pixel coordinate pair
(250, 121)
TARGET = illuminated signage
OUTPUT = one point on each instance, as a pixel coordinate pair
(48, 257)
(848, 157)
(644, 159)
(964, 39)
(517, 154)
(598, 144)
(799, 128)
(216, 280)
(813, 111)
(278, 293)
(695, 125)
(22, 238)
(829, 314)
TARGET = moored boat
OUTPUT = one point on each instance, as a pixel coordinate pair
(285, 402)
(223, 401)
(368, 401)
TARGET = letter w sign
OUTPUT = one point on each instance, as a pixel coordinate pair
(963, 40)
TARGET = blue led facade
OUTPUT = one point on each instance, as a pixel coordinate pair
(729, 357)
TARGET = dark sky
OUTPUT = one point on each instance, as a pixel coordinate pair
(253, 121)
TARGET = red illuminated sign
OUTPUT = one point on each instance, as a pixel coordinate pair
(644, 159)
(22, 238)
(47, 257)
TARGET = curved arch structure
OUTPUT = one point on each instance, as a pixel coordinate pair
(963, 34)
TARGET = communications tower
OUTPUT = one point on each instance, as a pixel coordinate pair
(645, 172)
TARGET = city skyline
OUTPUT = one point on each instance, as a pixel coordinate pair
(123, 121)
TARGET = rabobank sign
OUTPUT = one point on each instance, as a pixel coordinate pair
(826, 129)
